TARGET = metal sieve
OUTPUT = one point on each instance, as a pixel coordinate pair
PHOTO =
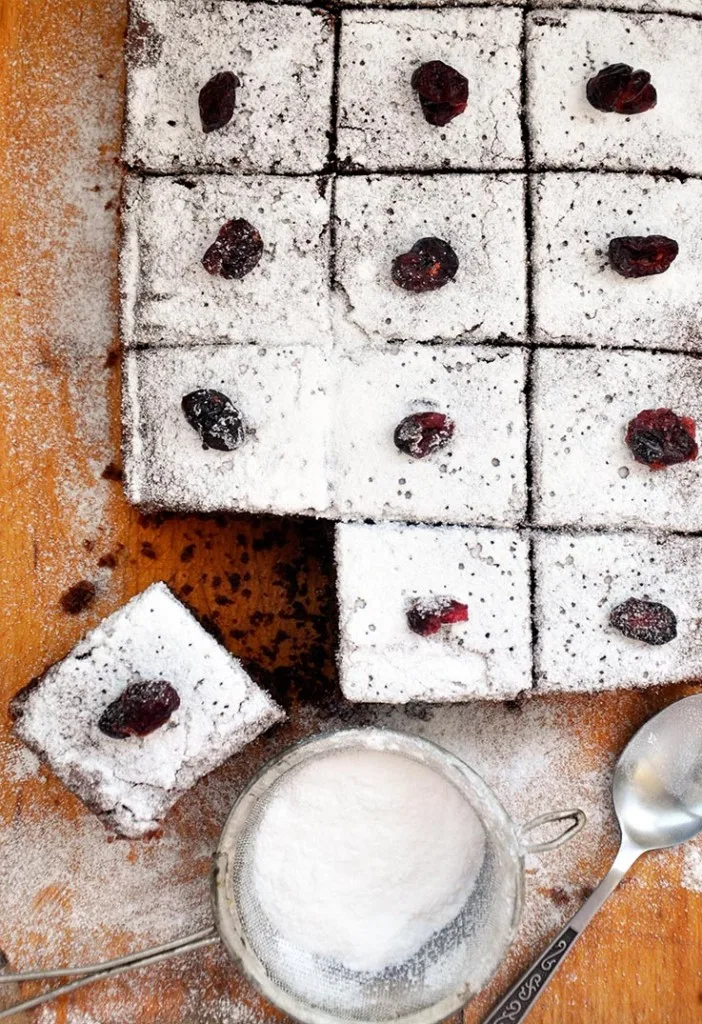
(451, 967)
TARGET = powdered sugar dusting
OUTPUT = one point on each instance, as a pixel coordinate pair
(692, 866)
(18, 762)
(63, 279)
(81, 897)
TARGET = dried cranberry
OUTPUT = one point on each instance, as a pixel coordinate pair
(621, 89)
(427, 616)
(641, 256)
(660, 438)
(139, 710)
(648, 621)
(431, 263)
(442, 91)
(235, 251)
(217, 101)
(422, 433)
(216, 420)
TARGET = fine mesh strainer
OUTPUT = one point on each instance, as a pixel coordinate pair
(451, 967)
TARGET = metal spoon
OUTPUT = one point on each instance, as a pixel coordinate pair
(657, 791)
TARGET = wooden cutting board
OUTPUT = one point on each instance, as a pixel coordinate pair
(264, 586)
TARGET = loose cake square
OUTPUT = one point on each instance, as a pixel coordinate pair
(280, 56)
(407, 423)
(432, 613)
(584, 580)
(132, 780)
(381, 124)
(170, 298)
(585, 473)
(566, 48)
(579, 296)
(276, 406)
(480, 216)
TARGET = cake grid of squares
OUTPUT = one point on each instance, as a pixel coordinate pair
(517, 393)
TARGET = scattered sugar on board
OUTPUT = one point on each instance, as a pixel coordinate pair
(64, 288)
(535, 758)
(17, 762)
(692, 866)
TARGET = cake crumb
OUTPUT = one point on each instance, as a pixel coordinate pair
(78, 597)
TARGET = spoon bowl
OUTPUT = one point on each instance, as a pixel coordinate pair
(657, 786)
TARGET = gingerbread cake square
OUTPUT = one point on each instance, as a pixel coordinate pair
(479, 216)
(432, 613)
(279, 66)
(580, 293)
(381, 123)
(585, 473)
(566, 48)
(617, 610)
(76, 718)
(252, 434)
(276, 288)
(407, 420)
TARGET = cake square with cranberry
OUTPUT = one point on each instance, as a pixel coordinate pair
(381, 123)
(98, 748)
(429, 433)
(567, 48)
(275, 66)
(585, 473)
(281, 248)
(581, 291)
(432, 613)
(617, 610)
(481, 219)
(260, 446)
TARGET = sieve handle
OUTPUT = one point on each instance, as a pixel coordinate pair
(106, 969)
(574, 815)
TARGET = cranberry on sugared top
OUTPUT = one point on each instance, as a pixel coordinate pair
(621, 90)
(217, 100)
(235, 251)
(216, 420)
(426, 616)
(139, 710)
(648, 621)
(422, 433)
(430, 264)
(642, 255)
(442, 91)
(659, 438)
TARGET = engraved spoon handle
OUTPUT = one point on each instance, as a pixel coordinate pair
(521, 997)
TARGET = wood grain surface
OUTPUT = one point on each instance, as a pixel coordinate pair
(264, 586)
